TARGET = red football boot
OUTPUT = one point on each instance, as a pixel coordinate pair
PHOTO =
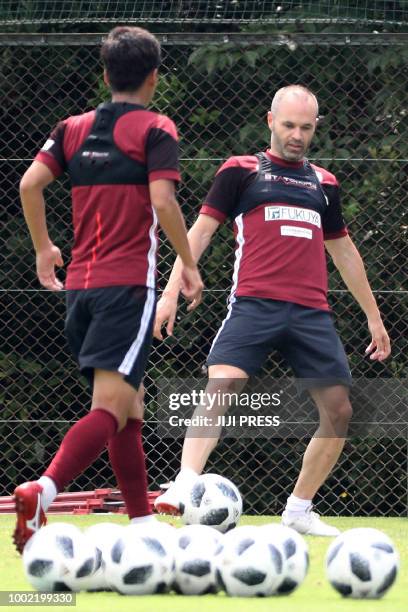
(30, 515)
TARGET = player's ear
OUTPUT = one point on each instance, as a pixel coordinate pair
(106, 78)
(153, 77)
(270, 120)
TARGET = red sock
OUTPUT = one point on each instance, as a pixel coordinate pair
(128, 462)
(82, 444)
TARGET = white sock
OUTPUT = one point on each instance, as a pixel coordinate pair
(296, 505)
(186, 476)
(149, 518)
(49, 492)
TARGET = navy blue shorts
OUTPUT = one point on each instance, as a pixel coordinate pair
(111, 328)
(305, 337)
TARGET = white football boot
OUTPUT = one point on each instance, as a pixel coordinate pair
(309, 523)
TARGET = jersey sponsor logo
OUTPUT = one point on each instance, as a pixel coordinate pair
(95, 154)
(48, 144)
(288, 180)
(297, 232)
(292, 213)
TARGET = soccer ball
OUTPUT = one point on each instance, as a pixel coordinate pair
(102, 536)
(214, 501)
(59, 558)
(362, 563)
(195, 554)
(295, 555)
(248, 565)
(140, 562)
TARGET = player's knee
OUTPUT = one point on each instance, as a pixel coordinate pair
(119, 414)
(137, 408)
(340, 413)
(140, 395)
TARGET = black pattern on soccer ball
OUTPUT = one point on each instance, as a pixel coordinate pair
(276, 558)
(244, 545)
(196, 567)
(86, 568)
(360, 567)
(211, 589)
(219, 580)
(138, 575)
(60, 587)
(184, 541)
(66, 546)
(344, 589)
(98, 558)
(388, 581)
(155, 546)
(176, 588)
(161, 588)
(197, 493)
(287, 586)
(40, 567)
(214, 517)
(383, 546)
(249, 576)
(227, 491)
(289, 546)
(117, 551)
(334, 552)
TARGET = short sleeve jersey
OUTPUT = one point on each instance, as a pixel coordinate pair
(115, 237)
(282, 212)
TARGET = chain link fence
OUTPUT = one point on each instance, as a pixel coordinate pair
(217, 88)
(207, 11)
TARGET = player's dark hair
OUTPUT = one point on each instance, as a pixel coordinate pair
(129, 54)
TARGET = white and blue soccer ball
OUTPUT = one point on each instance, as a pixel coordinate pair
(140, 562)
(249, 565)
(362, 563)
(195, 557)
(213, 501)
(295, 556)
(102, 536)
(58, 557)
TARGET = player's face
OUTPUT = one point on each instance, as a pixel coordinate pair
(292, 129)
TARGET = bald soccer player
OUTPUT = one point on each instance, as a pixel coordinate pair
(285, 212)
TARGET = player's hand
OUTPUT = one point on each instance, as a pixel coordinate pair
(165, 312)
(380, 346)
(46, 261)
(192, 286)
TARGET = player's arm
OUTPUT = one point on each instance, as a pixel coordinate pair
(32, 186)
(218, 205)
(163, 198)
(199, 237)
(349, 263)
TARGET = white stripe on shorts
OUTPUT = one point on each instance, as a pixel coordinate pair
(132, 354)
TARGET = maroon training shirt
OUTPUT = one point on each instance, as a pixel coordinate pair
(115, 238)
(282, 212)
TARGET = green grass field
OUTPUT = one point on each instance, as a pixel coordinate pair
(315, 595)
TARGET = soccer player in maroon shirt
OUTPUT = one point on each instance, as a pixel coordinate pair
(285, 212)
(122, 160)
